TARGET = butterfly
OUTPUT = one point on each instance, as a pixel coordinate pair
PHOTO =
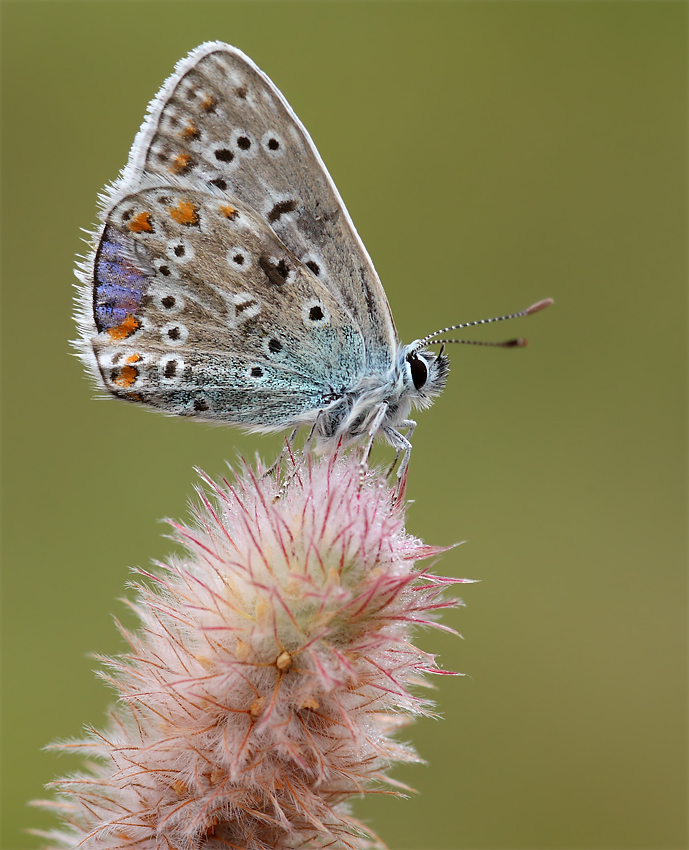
(227, 281)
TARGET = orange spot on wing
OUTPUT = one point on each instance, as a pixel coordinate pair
(127, 328)
(191, 131)
(185, 213)
(126, 377)
(228, 211)
(141, 223)
(209, 103)
(133, 358)
(181, 163)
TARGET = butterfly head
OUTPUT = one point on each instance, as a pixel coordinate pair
(424, 373)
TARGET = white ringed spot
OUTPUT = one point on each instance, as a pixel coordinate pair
(272, 144)
(174, 333)
(180, 251)
(171, 368)
(314, 313)
(239, 259)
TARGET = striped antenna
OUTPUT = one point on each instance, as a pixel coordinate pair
(512, 343)
(519, 342)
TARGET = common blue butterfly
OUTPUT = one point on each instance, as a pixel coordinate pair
(227, 281)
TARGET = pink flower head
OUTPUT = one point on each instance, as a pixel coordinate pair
(272, 666)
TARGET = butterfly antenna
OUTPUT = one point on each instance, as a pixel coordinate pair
(511, 343)
(519, 342)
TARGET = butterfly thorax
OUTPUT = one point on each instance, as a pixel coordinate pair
(413, 380)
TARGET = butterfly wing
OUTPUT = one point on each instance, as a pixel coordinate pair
(228, 281)
(200, 310)
(219, 121)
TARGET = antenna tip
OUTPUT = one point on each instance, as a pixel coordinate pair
(519, 342)
(539, 305)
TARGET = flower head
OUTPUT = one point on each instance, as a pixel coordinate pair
(272, 665)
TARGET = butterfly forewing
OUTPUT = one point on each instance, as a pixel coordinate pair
(219, 122)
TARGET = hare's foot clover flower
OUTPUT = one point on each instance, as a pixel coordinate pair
(272, 666)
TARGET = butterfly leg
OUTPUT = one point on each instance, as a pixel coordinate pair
(373, 429)
(403, 446)
(396, 439)
(309, 440)
(289, 442)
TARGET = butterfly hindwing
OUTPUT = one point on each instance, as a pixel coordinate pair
(200, 310)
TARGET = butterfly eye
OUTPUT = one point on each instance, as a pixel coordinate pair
(418, 369)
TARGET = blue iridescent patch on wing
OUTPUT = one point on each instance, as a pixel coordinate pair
(119, 286)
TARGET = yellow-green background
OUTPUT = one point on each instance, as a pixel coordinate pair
(491, 154)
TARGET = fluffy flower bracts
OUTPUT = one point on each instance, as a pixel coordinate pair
(272, 666)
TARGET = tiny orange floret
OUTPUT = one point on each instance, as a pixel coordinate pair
(181, 788)
(180, 163)
(228, 211)
(133, 358)
(126, 377)
(185, 213)
(127, 328)
(141, 223)
(209, 830)
(284, 661)
(191, 131)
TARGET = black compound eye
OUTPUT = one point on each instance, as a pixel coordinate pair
(419, 370)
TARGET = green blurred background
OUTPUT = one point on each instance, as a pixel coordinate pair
(490, 154)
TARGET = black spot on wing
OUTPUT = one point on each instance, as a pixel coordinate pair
(281, 208)
(223, 154)
(277, 273)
